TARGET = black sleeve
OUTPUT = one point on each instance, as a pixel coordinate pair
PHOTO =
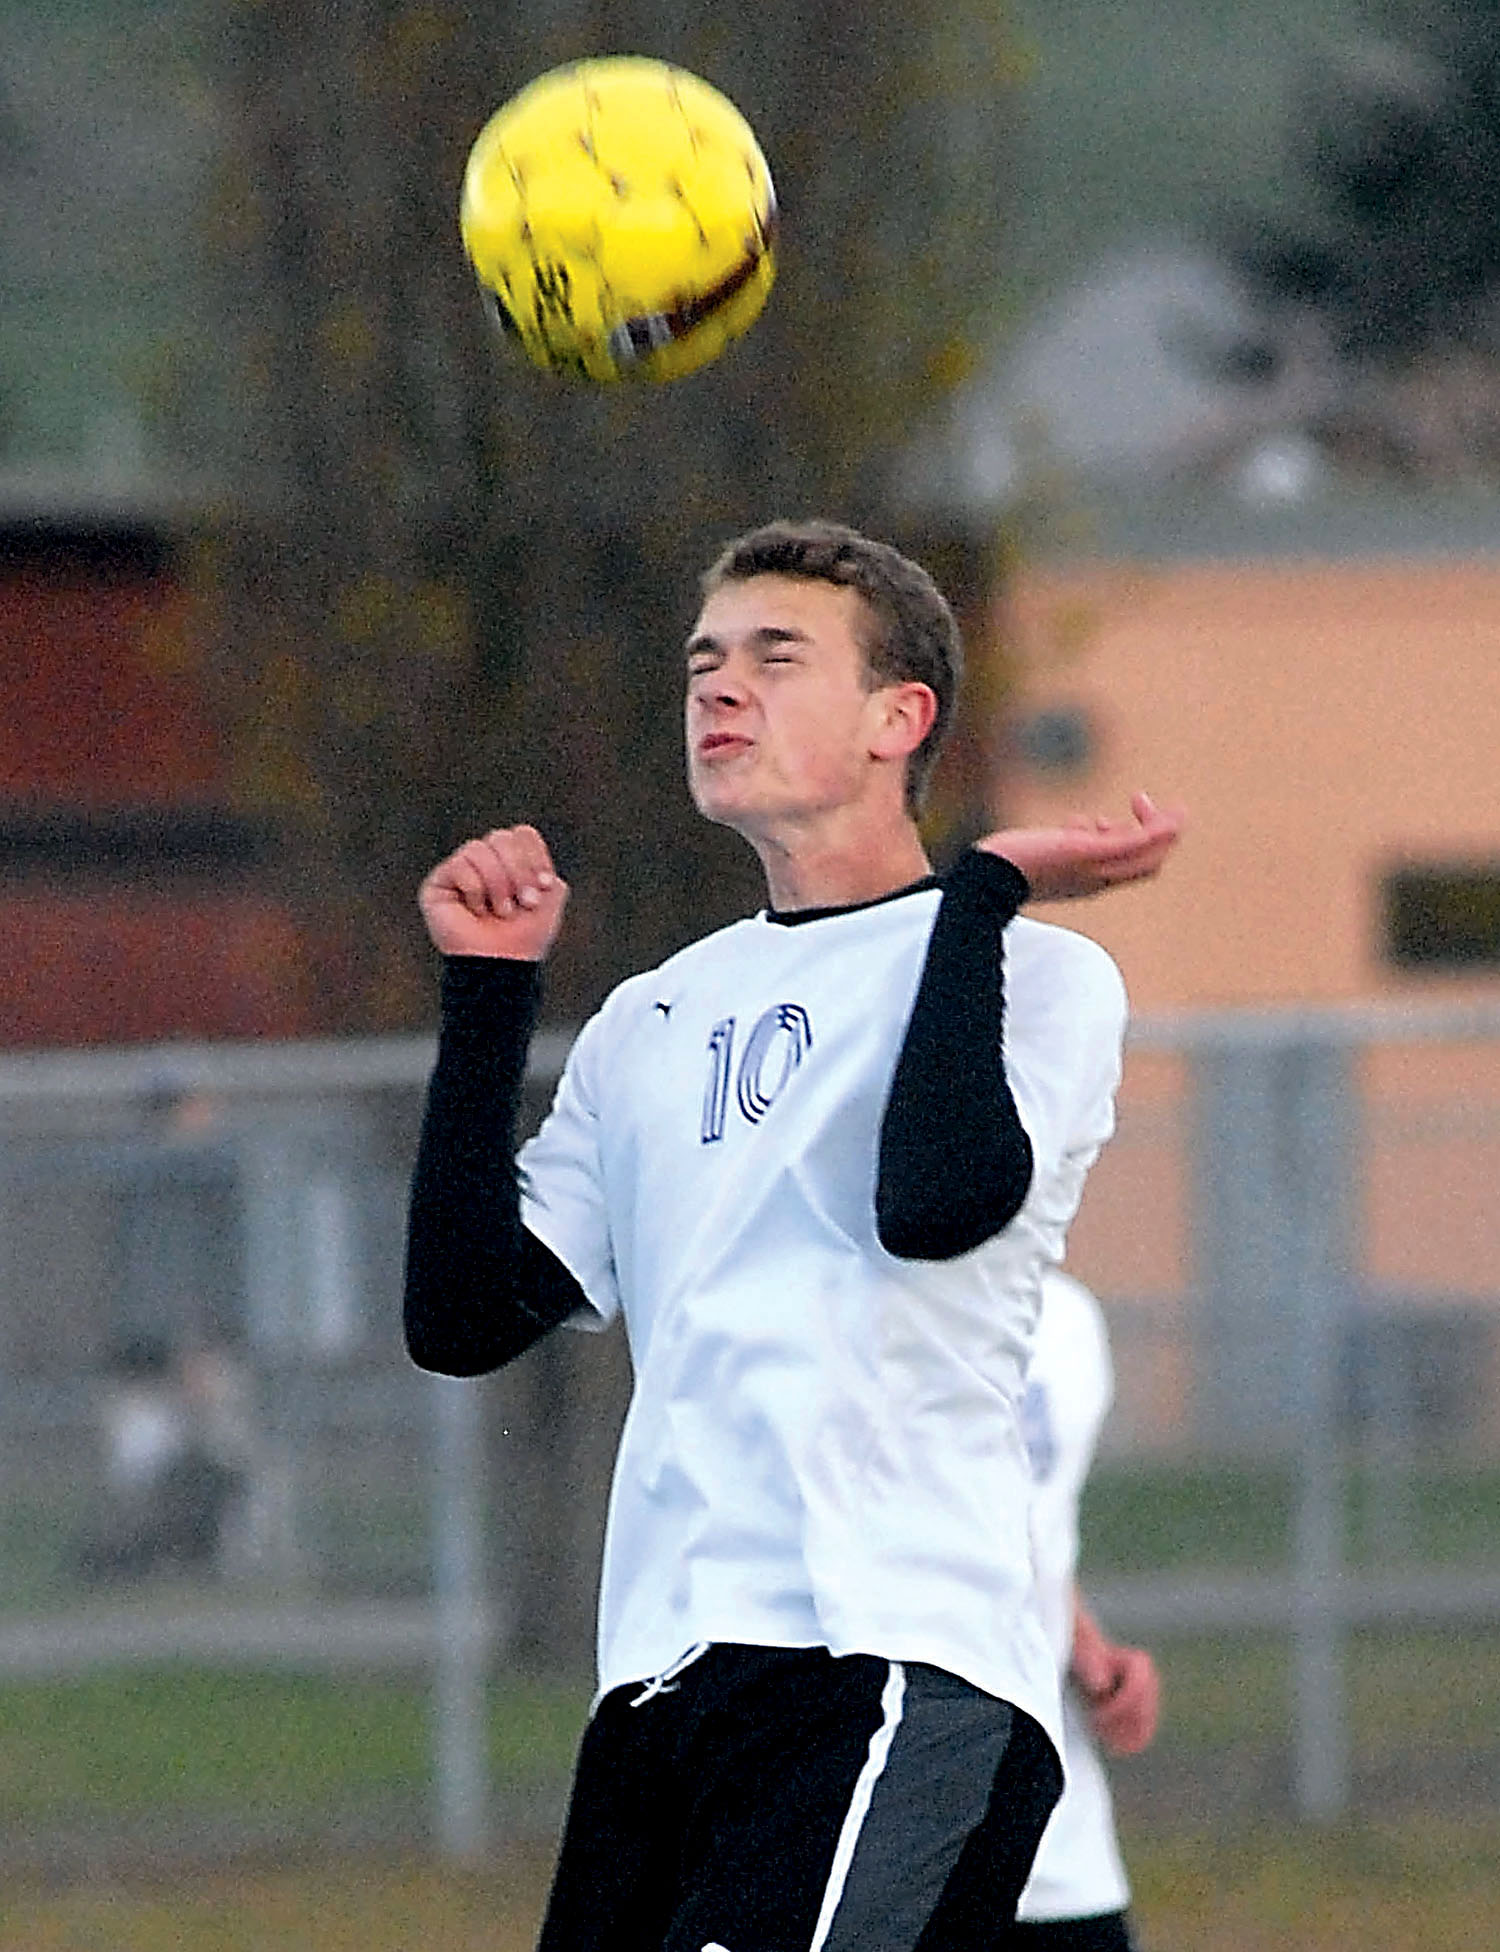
(955, 1160)
(479, 1287)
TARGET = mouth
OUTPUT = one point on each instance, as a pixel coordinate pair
(718, 745)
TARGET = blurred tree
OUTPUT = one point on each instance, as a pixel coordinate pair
(446, 592)
(1396, 150)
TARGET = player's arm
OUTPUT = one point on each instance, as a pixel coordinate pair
(1118, 1685)
(480, 1288)
(956, 1160)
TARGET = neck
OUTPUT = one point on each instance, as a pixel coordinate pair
(804, 870)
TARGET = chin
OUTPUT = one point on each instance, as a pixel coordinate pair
(727, 809)
(714, 796)
(719, 808)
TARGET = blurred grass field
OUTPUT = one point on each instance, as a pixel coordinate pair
(154, 1746)
(1219, 1865)
(1420, 1886)
(187, 1807)
(1137, 1517)
(1174, 1517)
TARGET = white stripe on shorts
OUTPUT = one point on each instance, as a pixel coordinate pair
(892, 1696)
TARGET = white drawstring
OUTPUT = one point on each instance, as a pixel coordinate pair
(666, 1681)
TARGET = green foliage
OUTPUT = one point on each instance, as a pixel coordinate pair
(447, 591)
(1396, 149)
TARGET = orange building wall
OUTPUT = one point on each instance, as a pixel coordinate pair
(1319, 722)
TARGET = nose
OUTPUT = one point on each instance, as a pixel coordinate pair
(724, 686)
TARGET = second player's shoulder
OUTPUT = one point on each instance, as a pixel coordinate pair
(1070, 1316)
(1071, 1358)
(1052, 959)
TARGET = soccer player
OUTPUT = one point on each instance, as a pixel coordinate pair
(1077, 1896)
(817, 1161)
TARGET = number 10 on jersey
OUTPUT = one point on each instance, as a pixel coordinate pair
(779, 1040)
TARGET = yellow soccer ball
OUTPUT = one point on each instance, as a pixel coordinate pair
(620, 219)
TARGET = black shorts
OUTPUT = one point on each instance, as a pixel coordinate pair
(783, 1800)
(1109, 1931)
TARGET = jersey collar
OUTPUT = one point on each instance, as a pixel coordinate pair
(791, 917)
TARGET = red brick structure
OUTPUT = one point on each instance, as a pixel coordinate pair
(134, 904)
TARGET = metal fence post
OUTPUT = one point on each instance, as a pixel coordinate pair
(461, 1659)
(1274, 1164)
(1319, 1161)
(1244, 1391)
(273, 1291)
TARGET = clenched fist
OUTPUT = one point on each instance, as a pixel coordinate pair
(496, 896)
(1119, 1686)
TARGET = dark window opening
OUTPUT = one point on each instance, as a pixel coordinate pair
(1059, 739)
(1444, 917)
(137, 842)
(96, 552)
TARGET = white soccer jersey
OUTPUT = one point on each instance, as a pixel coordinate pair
(821, 1437)
(1078, 1872)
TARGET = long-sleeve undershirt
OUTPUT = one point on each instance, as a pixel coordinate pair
(480, 1288)
(955, 1162)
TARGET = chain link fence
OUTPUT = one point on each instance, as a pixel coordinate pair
(218, 1463)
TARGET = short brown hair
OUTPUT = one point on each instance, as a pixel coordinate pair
(913, 635)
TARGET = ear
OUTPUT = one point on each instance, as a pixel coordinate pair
(907, 714)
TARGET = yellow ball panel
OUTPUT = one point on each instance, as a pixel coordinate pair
(607, 205)
(652, 252)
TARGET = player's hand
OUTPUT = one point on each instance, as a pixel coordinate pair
(1086, 857)
(1121, 1690)
(496, 896)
